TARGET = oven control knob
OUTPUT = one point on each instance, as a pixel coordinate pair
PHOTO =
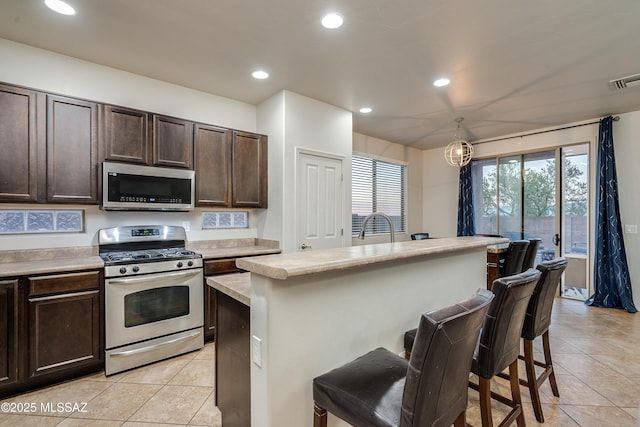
(135, 268)
(179, 264)
(190, 263)
(123, 270)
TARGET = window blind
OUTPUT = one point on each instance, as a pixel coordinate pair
(377, 186)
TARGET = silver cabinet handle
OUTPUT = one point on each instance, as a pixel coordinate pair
(305, 246)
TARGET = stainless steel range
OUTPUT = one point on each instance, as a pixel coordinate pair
(153, 295)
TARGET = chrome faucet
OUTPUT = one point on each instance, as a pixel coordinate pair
(380, 214)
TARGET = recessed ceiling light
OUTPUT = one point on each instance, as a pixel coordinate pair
(366, 110)
(259, 74)
(332, 21)
(60, 7)
(441, 82)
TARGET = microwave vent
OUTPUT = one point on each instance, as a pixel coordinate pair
(625, 82)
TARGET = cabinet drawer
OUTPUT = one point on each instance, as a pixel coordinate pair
(69, 282)
(220, 266)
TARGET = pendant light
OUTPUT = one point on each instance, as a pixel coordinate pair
(458, 152)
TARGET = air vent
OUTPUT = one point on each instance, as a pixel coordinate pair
(625, 82)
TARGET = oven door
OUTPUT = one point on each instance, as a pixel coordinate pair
(139, 308)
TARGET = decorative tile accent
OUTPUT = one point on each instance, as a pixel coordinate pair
(225, 219)
(29, 221)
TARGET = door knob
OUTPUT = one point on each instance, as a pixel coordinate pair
(305, 246)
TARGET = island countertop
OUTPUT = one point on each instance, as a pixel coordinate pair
(287, 265)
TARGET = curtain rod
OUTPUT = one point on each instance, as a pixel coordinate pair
(615, 119)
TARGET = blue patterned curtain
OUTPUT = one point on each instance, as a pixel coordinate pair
(466, 222)
(611, 275)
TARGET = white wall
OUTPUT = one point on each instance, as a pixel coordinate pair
(440, 194)
(294, 122)
(47, 71)
(412, 157)
(441, 181)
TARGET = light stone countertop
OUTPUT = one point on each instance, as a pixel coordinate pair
(44, 266)
(235, 285)
(294, 264)
(212, 249)
(15, 263)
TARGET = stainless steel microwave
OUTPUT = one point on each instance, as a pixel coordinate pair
(146, 188)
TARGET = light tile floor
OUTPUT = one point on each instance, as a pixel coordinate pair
(596, 357)
(174, 392)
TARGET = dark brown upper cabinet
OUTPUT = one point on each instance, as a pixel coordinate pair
(249, 170)
(135, 136)
(126, 133)
(231, 168)
(172, 142)
(212, 156)
(18, 144)
(49, 148)
(72, 150)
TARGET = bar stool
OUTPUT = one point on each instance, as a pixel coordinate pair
(419, 236)
(536, 323)
(382, 389)
(499, 344)
(529, 259)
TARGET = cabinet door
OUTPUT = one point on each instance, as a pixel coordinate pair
(9, 309)
(72, 150)
(249, 180)
(65, 329)
(211, 268)
(212, 165)
(172, 142)
(18, 144)
(126, 135)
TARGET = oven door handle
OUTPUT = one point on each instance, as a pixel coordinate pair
(156, 278)
(155, 346)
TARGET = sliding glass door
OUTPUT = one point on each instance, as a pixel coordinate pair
(541, 195)
(575, 221)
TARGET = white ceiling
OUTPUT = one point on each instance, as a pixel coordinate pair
(514, 65)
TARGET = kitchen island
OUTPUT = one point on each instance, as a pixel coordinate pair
(312, 311)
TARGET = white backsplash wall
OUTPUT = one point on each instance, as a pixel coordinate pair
(95, 219)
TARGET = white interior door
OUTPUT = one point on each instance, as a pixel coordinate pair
(319, 202)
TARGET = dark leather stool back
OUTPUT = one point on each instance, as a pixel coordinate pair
(499, 342)
(438, 373)
(515, 256)
(538, 317)
(530, 255)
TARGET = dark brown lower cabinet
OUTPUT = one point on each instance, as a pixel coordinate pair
(212, 268)
(55, 329)
(9, 332)
(233, 363)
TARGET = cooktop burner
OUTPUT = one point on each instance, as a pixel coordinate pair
(143, 244)
(147, 255)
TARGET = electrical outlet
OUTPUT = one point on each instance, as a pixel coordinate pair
(186, 225)
(631, 228)
(256, 350)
